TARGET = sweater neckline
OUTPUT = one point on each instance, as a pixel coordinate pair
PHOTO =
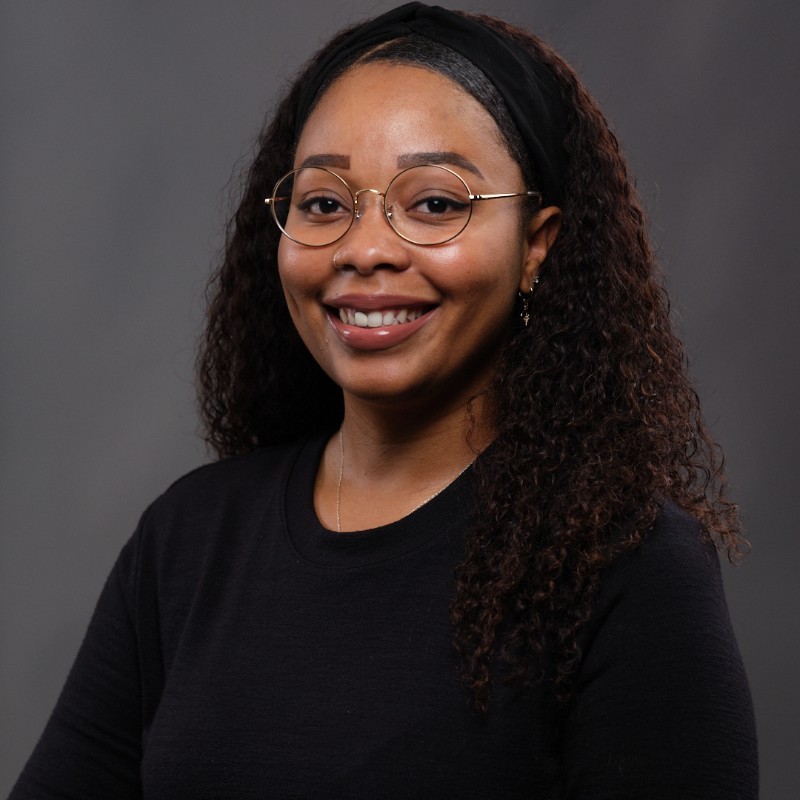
(446, 514)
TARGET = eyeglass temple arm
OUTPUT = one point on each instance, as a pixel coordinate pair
(268, 200)
(505, 194)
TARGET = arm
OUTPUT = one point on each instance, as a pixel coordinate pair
(91, 747)
(662, 706)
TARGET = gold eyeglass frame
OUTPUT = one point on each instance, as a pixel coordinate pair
(356, 214)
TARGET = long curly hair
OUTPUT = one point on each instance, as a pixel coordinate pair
(595, 415)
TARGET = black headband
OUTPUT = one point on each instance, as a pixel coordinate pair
(526, 85)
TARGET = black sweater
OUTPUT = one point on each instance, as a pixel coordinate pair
(240, 650)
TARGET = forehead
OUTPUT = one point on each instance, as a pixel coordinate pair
(390, 108)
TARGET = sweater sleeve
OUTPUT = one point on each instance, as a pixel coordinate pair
(91, 746)
(662, 707)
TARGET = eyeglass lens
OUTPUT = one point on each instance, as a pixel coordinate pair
(424, 204)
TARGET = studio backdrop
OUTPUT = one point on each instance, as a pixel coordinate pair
(122, 130)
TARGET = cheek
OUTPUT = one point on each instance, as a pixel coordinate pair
(295, 269)
(303, 273)
(287, 265)
(493, 274)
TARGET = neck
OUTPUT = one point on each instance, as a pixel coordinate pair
(381, 467)
(384, 443)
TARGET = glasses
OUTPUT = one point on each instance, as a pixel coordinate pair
(427, 204)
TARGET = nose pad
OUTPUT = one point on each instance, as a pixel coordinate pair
(360, 206)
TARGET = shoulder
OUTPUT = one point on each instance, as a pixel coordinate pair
(664, 599)
(216, 506)
(675, 554)
(230, 480)
(661, 680)
(239, 472)
(666, 594)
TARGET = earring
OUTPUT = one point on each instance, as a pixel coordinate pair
(525, 311)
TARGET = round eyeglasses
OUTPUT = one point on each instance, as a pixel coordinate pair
(427, 204)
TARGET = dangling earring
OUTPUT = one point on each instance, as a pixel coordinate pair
(525, 312)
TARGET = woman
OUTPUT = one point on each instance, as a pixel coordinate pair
(460, 542)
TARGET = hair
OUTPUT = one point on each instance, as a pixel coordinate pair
(596, 419)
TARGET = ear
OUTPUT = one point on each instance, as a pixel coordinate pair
(541, 232)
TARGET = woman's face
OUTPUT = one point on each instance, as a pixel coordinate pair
(371, 123)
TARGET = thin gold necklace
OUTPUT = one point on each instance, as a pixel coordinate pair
(341, 476)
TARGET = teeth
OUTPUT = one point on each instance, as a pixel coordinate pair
(377, 319)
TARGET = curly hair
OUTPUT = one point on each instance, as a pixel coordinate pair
(596, 418)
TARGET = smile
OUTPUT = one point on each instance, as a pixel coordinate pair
(378, 322)
(378, 319)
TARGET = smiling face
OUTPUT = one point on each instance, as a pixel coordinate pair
(395, 322)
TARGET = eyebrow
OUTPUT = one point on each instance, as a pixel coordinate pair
(403, 161)
(326, 160)
(438, 157)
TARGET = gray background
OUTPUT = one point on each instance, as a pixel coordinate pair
(121, 123)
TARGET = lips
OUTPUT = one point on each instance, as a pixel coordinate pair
(377, 322)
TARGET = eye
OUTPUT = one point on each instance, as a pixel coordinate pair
(320, 205)
(438, 205)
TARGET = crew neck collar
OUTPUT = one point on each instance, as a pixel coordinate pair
(446, 514)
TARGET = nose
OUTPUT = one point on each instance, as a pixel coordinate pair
(371, 243)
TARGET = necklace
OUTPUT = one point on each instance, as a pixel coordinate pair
(341, 476)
